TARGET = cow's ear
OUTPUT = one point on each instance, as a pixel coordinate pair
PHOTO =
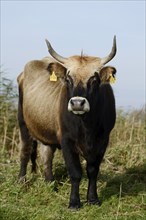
(57, 69)
(106, 73)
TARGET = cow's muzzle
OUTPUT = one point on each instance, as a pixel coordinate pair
(78, 105)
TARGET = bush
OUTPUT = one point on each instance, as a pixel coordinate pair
(8, 116)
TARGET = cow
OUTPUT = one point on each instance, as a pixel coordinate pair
(67, 103)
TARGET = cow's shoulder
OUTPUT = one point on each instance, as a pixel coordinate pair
(34, 70)
(35, 65)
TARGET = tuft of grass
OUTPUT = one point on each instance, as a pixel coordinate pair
(121, 181)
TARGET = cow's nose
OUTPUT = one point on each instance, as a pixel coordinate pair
(78, 105)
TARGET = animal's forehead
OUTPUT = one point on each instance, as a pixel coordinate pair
(81, 68)
(83, 60)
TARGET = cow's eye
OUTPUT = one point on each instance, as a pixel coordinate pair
(69, 80)
(92, 80)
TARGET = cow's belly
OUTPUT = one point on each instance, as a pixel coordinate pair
(41, 131)
(42, 122)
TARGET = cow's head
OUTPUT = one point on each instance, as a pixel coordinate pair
(83, 76)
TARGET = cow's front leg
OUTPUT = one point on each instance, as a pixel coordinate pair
(93, 163)
(74, 170)
(26, 147)
(92, 172)
(94, 159)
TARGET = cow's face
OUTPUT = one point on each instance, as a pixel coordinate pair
(83, 76)
(82, 82)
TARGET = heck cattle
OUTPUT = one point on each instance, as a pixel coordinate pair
(67, 103)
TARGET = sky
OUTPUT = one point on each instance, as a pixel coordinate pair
(73, 26)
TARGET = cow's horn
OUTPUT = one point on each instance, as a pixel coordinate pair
(54, 54)
(112, 53)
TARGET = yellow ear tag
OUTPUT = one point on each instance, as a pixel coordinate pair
(53, 77)
(112, 79)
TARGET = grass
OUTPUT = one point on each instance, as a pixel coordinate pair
(121, 181)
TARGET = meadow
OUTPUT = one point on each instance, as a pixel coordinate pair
(121, 181)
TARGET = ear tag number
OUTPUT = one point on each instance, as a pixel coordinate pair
(112, 79)
(53, 77)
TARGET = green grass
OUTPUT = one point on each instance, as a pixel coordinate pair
(121, 181)
(123, 195)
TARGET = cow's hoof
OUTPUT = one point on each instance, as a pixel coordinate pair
(49, 178)
(95, 202)
(74, 206)
(22, 179)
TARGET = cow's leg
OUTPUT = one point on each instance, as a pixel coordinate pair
(92, 172)
(26, 141)
(26, 149)
(34, 156)
(74, 170)
(93, 163)
(47, 155)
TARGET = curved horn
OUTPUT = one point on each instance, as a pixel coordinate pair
(54, 54)
(112, 53)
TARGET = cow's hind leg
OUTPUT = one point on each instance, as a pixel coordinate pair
(34, 156)
(47, 155)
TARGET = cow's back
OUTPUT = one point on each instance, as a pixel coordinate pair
(41, 101)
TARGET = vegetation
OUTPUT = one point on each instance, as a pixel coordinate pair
(121, 182)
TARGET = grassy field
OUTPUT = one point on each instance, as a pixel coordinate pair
(121, 182)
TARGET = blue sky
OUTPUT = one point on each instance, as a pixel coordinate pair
(72, 26)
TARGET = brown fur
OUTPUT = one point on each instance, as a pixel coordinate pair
(82, 68)
(35, 81)
(47, 154)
